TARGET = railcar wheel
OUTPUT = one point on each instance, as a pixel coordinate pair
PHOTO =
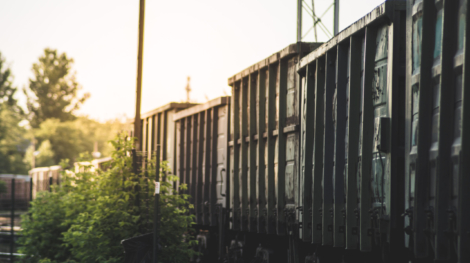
(235, 252)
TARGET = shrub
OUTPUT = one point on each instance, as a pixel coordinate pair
(86, 217)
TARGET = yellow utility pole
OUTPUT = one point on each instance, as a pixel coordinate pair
(140, 52)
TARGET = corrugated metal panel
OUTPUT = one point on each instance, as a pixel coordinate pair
(435, 148)
(264, 143)
(252, 148)
(158, 128)
(202, 156)
(235, 210)
(356, 191)
(307, 138)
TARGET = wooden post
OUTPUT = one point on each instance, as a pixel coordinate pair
(12, 219)
(137, 127)
(156, 222)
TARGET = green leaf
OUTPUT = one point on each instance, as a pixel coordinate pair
(99, 210)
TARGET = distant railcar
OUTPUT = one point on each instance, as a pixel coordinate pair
(22, 192)
(158, 128)
(43, 177)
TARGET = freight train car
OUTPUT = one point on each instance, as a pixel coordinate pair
(356, 150)
(353, 137)
(437, 216)
(22, 192)
(264, 142)
(281, 207)
(264, 149)
(201, 161)
(215, 148)
(43, 177)
(158, 128)
(201, 156)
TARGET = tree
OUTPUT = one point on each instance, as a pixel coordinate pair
(54, 89)
(43, 157)
(66, 140)
(12, 142)
(7, 91)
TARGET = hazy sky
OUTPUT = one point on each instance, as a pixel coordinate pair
(209, 40)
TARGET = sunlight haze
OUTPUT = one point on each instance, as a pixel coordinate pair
(208, 40)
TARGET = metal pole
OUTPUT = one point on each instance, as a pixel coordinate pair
(314, 20)
(156, 219)
(336, 18)
(12, 218)
(136, 170)
(30, 190)
(137, 128)
(299, 20)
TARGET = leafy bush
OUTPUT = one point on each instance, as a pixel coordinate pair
(86, 217)
(43, 228)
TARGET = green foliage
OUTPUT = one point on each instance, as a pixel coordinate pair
(43, 228)
(86, 217)
(100, 132)
(12, 142)
(7, 91)
(66, 140)
(44, 157)
(52, 99)
(54, 89)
